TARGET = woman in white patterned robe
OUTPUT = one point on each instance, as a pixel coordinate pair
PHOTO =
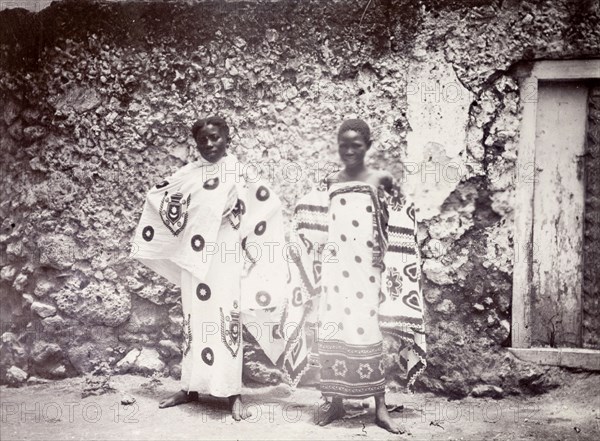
(206, 228)
(358, 266)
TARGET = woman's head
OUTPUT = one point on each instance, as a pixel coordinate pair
(212, 137)
(354, 139)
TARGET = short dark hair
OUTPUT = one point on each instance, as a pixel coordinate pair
(216, 121)
(356, 125)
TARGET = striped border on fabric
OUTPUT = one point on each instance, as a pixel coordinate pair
(311, 208)
(341, 347)
(415, 372)
(341, 352)
(355, 392)
(394, 248)
(419, 351)
(400, 230)
(312, 226)
(402, 240)
(311, 217)
(408, 337)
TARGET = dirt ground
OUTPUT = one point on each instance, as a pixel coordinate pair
(57, 411)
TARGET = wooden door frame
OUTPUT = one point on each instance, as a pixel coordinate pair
(529, 77)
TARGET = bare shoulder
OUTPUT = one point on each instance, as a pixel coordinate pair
(332, 177)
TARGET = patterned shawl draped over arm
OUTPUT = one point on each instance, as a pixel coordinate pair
(181, 219)
(397, 253)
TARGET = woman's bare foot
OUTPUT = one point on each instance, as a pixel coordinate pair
(178, 398)
(383, 418)
(238, 412)
(330, 412)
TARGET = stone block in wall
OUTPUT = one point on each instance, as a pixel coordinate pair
(126, 363)
(20, 282)
(99, 303)
(81, 357)
(145, 323)
(15, 376)
(48, 361)
(44, 310)
(57, 251)
(169, 350)
(486, 390)
(31, 115)
(91, 348)
(157, 293)
(16, 130)
(10, 112)
(15, 249)
(12, 353)
(56, 325)
(148, 362)
(43, 287)
(8, 273)
(33, 133)
(438, 272)
(175, 371)
(80, 99)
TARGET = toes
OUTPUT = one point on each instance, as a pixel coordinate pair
(389, 426)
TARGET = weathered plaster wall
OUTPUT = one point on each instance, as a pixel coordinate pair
(97, 102)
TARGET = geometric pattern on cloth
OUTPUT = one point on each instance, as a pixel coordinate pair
(351, 371)
(401, 308)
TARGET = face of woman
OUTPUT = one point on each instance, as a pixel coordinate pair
(352, 148)
(211, 143)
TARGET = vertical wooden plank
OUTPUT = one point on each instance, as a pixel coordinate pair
(591, 240)
(520, 334)
(558, 211)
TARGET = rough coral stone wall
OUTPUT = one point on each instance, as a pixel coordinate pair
(97, 102)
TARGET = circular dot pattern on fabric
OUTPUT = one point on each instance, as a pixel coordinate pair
(148, 233)
(208, 356)
(262, 194)
(263, 298)
(260, 228)
(211, 184)
(203, 292)
(197, 242)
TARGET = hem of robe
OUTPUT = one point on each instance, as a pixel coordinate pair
(212, 393)
(357, 393)
(352, 397)
(347, 369)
